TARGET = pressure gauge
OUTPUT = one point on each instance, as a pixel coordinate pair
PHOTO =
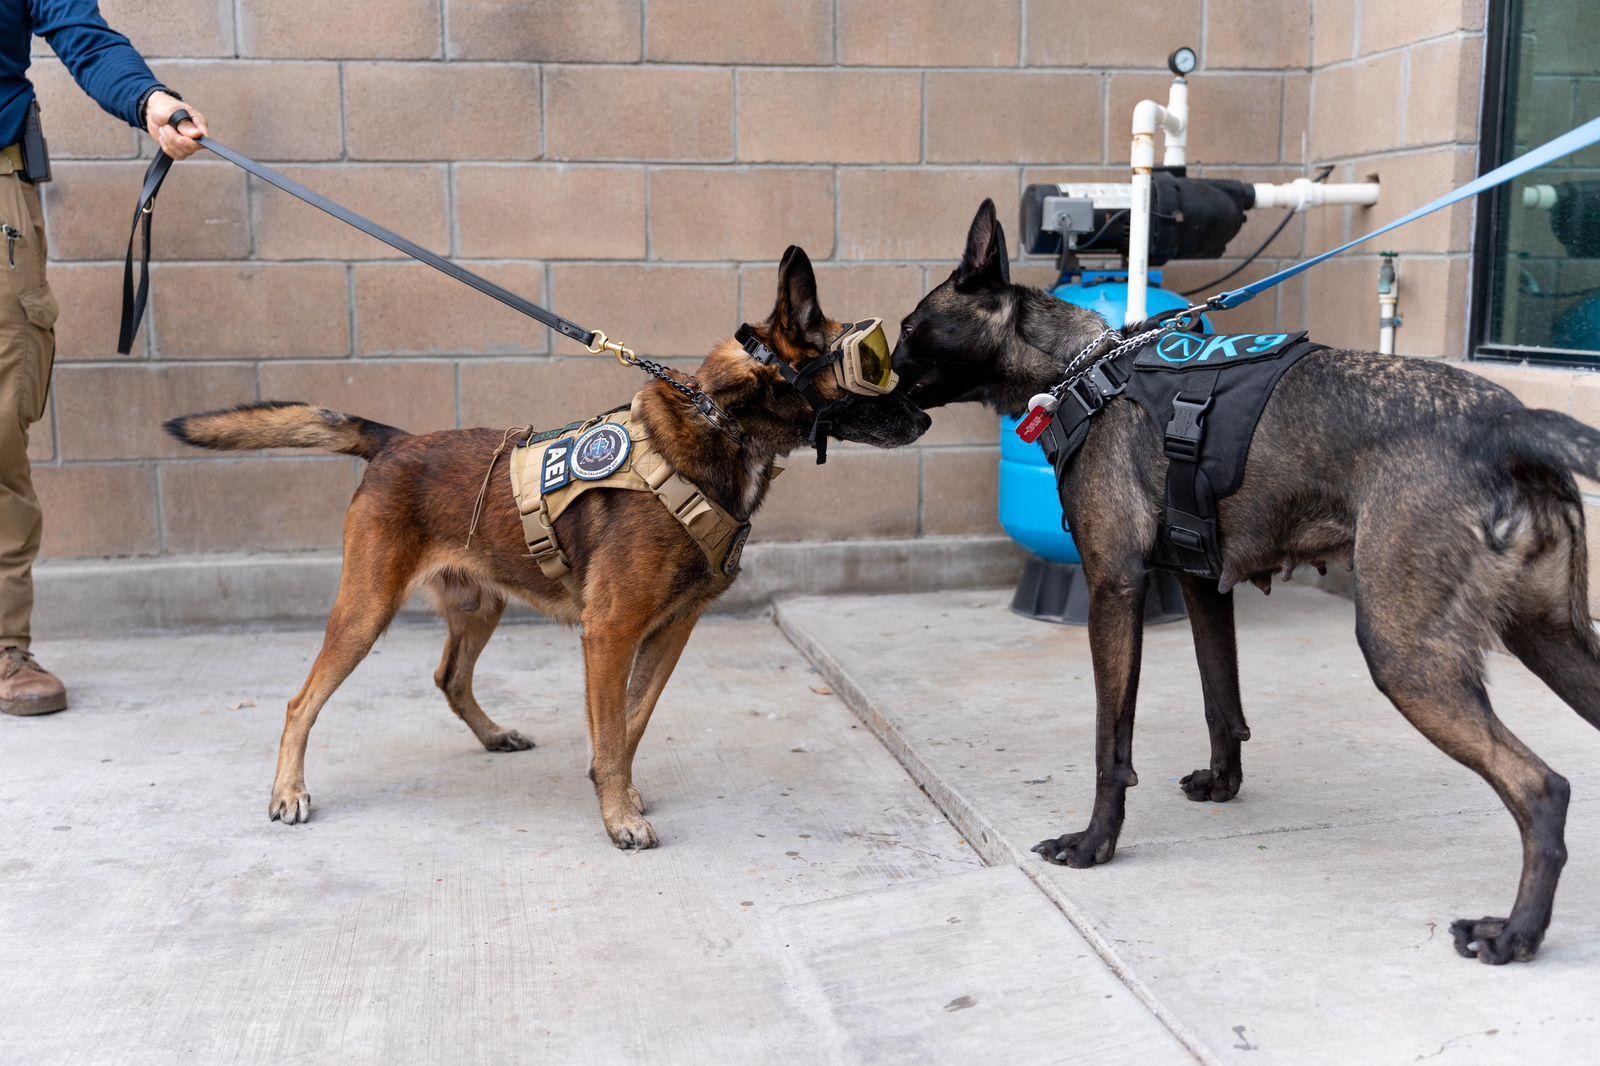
(1183, 61)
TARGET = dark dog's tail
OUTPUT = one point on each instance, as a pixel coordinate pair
(1554, 441)
(1547, 438)
(277, 424)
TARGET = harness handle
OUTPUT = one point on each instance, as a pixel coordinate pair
(135, 297)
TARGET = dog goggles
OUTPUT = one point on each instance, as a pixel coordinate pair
(864, 364)
(859, 361)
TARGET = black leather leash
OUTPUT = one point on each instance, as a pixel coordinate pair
(135, 297)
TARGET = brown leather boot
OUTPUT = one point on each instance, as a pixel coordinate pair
(26, 687)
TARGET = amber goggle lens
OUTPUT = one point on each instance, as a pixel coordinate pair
(867, 362)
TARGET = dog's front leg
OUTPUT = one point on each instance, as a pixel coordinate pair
(1116, 632)
(609, 649)
(1211, 619)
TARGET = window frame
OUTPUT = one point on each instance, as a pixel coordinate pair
(1500, 31)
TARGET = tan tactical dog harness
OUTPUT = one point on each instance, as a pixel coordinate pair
(612, 452)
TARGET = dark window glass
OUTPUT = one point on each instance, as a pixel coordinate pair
(1539, 237)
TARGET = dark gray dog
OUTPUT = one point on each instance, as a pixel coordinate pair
(1454, 504)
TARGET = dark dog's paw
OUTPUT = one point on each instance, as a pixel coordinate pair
(507, 740)
(1490, 941)
(1203, 785)
(1077, 850)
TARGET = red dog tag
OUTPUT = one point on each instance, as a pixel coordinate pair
(1032, 427)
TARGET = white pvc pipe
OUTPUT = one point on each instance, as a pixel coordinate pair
(1303, 193)
(1540, 196)
(1139, 237)
(1177, 125)
(1173, 122)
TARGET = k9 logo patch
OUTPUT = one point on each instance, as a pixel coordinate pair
(554, 474)
(601, 451)
(1185, 351)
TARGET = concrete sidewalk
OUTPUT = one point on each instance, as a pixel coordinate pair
(1305, 921)
(808, 903)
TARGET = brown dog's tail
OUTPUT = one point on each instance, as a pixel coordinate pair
(280, 424)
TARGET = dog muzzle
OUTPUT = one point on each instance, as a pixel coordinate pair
(859, 362)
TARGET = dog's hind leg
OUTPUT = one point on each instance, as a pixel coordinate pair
(1116, 632)
(1563, 658)
(1439, 688)
(1216, 649)
(472, 614)
(371, 590)
(1549, 627)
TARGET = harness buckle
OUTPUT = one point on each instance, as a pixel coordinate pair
(1103, 383)
(1088, 397)
(1184, 432)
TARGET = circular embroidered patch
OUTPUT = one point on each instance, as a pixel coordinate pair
(601, 451)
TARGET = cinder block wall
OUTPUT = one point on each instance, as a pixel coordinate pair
(1395, 95)
(640, 165)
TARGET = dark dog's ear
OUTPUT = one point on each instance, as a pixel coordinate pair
(985, 262)
(797, 312)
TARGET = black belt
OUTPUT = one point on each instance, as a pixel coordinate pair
(133, 299)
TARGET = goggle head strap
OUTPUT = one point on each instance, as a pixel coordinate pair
(803, 380)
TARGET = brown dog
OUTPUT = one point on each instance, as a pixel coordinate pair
(638, 582)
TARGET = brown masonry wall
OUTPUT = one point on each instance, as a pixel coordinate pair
(640, 165)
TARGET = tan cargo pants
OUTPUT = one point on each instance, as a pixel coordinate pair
(27, 351)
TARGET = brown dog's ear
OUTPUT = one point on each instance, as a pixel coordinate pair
(985, 263)
(797, 312)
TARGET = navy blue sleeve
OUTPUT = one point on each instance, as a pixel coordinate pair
(100, 59)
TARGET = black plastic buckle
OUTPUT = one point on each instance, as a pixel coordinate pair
(1186, 538)
(1185, 431)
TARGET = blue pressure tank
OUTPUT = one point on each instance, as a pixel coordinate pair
(1030, 507)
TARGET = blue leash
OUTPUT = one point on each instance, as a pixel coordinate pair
(1576, 140)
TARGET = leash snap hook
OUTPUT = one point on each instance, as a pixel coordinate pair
(602, 343)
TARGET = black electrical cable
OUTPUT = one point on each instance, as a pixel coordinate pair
(1214, 282)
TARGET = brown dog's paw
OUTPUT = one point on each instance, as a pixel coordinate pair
(1490, 941)
(1203, 785)
(290, 805)
(637, 799)
(632, 834)
(507, 740)
(1077, 850)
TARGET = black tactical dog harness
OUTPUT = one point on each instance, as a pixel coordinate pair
(1208, 392)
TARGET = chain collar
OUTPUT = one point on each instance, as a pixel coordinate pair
(704, 404)
(1073, 374)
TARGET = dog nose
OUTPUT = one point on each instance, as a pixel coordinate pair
(927, 420)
